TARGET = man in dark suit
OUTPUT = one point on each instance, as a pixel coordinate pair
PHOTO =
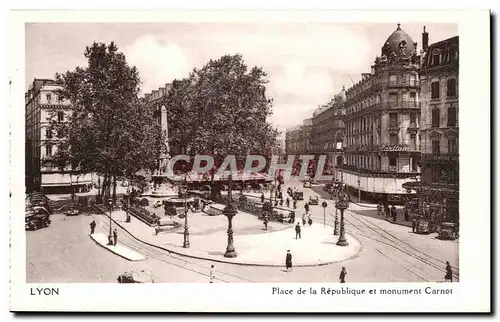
(92, 227)
(297, 231)
(343, 273)
(288, 261)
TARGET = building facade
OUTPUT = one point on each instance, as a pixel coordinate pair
(382, 119)
(292, 140)
(439, 186)
(43, 105)
(327, 133)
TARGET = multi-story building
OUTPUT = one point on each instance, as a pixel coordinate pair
(439, 186)
(156, 99)
(382, 113)
(327, 133)
(292, 140)
(43, 105)
(304, 142)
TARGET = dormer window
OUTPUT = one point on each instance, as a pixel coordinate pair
(436, 58)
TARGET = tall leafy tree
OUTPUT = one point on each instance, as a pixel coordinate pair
(110, 131)
(222, 109)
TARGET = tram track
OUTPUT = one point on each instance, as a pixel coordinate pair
(400, 245)
(404, 263)
(166, 257)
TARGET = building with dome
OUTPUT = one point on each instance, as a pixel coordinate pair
(382, 119)
(327, 133)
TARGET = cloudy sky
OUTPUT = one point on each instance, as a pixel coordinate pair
(306, 63)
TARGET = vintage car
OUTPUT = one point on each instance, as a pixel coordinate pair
(423, 226)
(313, 200)
(139, 276)
(72, 211)
(298, 195)
(36, 218)
(307, 184)
(448, 231)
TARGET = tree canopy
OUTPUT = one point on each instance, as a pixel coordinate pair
(221, 109)
(110, 130)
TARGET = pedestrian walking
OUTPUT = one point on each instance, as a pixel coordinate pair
(281, 202)
(115, 237)
(262, 198)
(297, 231)
(414, 225)
(287, 202)
(379, 209)
(309, 220)
(92, 227)
(212, 274)
(288, 261)
(294, 203)
(265, 221)
(343, 273)
(449, 273)
(406, 214)
(394, 212)
(306, 207)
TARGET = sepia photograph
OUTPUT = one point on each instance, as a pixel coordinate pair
(244, 151)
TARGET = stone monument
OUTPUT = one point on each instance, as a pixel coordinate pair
(162, 186)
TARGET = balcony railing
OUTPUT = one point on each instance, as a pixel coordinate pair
(411, 83)
(389, 105)
(438, 158)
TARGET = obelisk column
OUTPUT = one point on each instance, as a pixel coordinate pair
(165, 149)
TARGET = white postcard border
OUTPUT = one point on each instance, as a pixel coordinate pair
(471, 294)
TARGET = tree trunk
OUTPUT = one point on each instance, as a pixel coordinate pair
(114, 188)
(103, 187)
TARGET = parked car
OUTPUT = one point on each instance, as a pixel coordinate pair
(72, 211)
(36, 218)
(314, 200)
(307, 184)
(139, 276)
(423, 226)
(448, 231)
(298, 195)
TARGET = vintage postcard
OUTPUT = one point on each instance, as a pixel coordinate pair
(250, 161)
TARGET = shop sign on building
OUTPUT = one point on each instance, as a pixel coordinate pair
(394, 148)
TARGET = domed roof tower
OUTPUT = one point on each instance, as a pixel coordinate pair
(399, 44)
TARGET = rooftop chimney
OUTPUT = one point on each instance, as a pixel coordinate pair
(425, 40)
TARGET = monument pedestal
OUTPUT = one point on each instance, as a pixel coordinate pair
(164, 190)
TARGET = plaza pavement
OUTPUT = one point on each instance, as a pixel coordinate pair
(253, 244)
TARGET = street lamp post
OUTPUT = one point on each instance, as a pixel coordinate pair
(110, 236)
(127, 204)
(342, 204)
(186, 243)
(230, 211)
(336, 224)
